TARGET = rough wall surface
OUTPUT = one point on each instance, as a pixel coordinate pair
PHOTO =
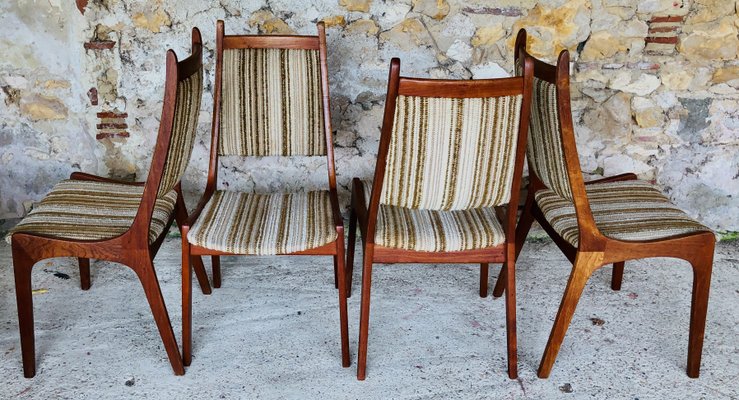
(655, 85)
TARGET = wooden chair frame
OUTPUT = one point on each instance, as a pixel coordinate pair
(334, 249)
(131, 248)
(366, 215)
(595, 249)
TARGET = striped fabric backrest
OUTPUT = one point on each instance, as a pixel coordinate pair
(184, 129)
(544, 149)
(271, 103)
(451, 153)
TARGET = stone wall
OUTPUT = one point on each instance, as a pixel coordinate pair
(655, 85)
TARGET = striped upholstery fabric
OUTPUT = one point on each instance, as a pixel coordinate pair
(451, 153)
(627, 210)
(86, 210)
(271, 103)
(184, 129)
(432, 230)
(544, 148)
(264, 224)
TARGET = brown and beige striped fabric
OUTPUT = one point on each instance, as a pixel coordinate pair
(626, 210)
(264, 224)
(451, 153)
(271, 103)
(544, 148)
(86, 210)
(435, 230)
(184, 129)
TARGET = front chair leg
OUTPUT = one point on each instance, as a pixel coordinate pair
(364, 315)
(85, 282)
(484, 280)
(180, 216)
(510, 308)
(22, 266)
(618, 275)
(341, 280)
(585, 264)
(522, 230)
(698, 309)
(150, 283)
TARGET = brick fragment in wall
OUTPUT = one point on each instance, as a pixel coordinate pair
(92, 94)
(112, 125)
(99, 45)
(81, 4)
(663, 35)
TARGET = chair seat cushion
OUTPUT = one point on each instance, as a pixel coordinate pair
(432, 230)
(625, 210)
(264, 224)
(88, 210)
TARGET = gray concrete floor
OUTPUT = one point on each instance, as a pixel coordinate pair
(272, 332)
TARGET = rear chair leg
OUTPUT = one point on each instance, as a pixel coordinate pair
(618, 275)
(350, 250)
(698, 309)
(22, 266)
(484, 280)
(85, 282)
(215, 262)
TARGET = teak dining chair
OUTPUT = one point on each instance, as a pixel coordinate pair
(93, 217)
(446, 184)
(606, 221)
(271, 99)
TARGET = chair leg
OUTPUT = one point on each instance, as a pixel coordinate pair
(343, 317)
(698, 308)
(187, 303)
(364, 315)
(618, 275)
(84, 273)
(350, 251)
(510, 311)
(484, 280)
(22, 266)
(180, 216)
(585, 264)
(215, 262)
(522, 230)
(336, 272)
(147, 276)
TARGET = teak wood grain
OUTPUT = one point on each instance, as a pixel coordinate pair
(131, 248)
(334, 249)
(595, 249)
(365, 215)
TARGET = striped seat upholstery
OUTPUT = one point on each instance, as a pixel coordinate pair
(271, 103)
(626, 210)
(264, 224)
(86, 210)
(432, 230)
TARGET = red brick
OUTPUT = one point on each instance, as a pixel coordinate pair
(111, 114)
(668, 18)
(664, 40)
(112, 126)
(111, 135)
(99, 45)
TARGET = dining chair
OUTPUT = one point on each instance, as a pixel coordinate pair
(271, 99)
(600, 222)
(446, 184)
(89, 216)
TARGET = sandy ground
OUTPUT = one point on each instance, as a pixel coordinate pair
(272, 331)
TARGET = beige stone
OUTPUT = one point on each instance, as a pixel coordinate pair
(437, 9)
(356, 5)
(407, 35)
(725, 74)
(602, 45)
(363, 26)
(710, 10)
(269, 23)
(711, 41)
(335, 20)
(40, 107)
(487, 35)
(677, 80)
(57, 84)
(553, 29)
(152, 21)
(646, 113)
(642, 86)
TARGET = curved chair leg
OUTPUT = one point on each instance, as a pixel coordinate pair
(510, 312)
(364, 315)
(22, 266)
(585, 264)
(618, 275)
(85, 282)
(698, 308)
(343, 317)
(350, 250)
(484, 280)
(148, 278)
(215, 262)
(522, 230)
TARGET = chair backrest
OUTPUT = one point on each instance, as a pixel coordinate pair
(450, 144)
(183, 91)
(552, 148)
